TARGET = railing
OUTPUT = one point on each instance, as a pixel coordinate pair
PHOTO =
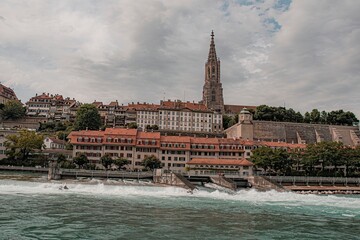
(22, 168)
(228, 174)
(102, 173)
(320, 180)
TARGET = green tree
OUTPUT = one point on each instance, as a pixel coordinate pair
(231, 122)
(315, 116)
(132, 125)
(323, 154)
(339, 117)
(106, 161)
(351, 159)
(121, 162)
(61, 158)
(323, 117)
(20, 146)
(155, 127)
(87, 117)
(13, 110)
(299, 117)
(307, 117)
(81, 160)
(272, 160)
(226, 120)
(264, 112)
(151, 162)
(47, 126)
(296, 157)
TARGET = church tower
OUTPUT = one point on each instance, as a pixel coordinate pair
(212, 90)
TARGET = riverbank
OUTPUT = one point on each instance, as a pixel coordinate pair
(324, 189)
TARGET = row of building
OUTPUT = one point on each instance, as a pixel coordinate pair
(176, 153)
(168, 115)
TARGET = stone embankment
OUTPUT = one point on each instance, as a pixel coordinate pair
(262, 184)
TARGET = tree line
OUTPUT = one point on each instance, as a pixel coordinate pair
(282, 114)
(331, 159)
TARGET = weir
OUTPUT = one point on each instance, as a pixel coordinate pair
(173, 179)
(262, 184)
(224, 182)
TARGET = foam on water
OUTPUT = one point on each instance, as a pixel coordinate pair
(97, 187)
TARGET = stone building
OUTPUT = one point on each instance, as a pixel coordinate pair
(288, 132)
(6, 94)
(174, 152)
(3, 134)
(178, 116)
(52, 107)
(212, 90)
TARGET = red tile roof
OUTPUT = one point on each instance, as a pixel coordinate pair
(205, 140)
(143, 106)
(217, 161)
(114, 104)
(120, 131)
(176, 139)
(134, 133)
(7, 92)
(97, 104)
(181, 105)
(148, 135)
(56, 140)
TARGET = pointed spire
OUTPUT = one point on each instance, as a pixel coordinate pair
(212, 51)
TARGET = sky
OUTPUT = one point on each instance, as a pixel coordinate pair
(301, 54)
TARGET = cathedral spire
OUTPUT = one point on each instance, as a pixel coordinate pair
(212, 51)
(212, 90)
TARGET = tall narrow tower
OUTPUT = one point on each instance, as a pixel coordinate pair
(212, 90)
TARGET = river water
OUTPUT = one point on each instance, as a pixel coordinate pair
(39, 210)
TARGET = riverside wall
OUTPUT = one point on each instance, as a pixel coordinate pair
(303, 133)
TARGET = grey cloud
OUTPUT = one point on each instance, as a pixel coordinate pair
(137, 50)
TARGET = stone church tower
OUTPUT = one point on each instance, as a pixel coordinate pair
(212, 90)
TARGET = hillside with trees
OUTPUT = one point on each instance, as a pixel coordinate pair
(281, 114)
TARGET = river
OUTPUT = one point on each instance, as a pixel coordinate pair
(32, 208)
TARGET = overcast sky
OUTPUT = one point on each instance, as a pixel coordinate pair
(303, 54)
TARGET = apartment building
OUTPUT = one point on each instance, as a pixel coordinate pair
(6, 94)
(178, 116)
(174, 152)
(3, 134)
(52, 107)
